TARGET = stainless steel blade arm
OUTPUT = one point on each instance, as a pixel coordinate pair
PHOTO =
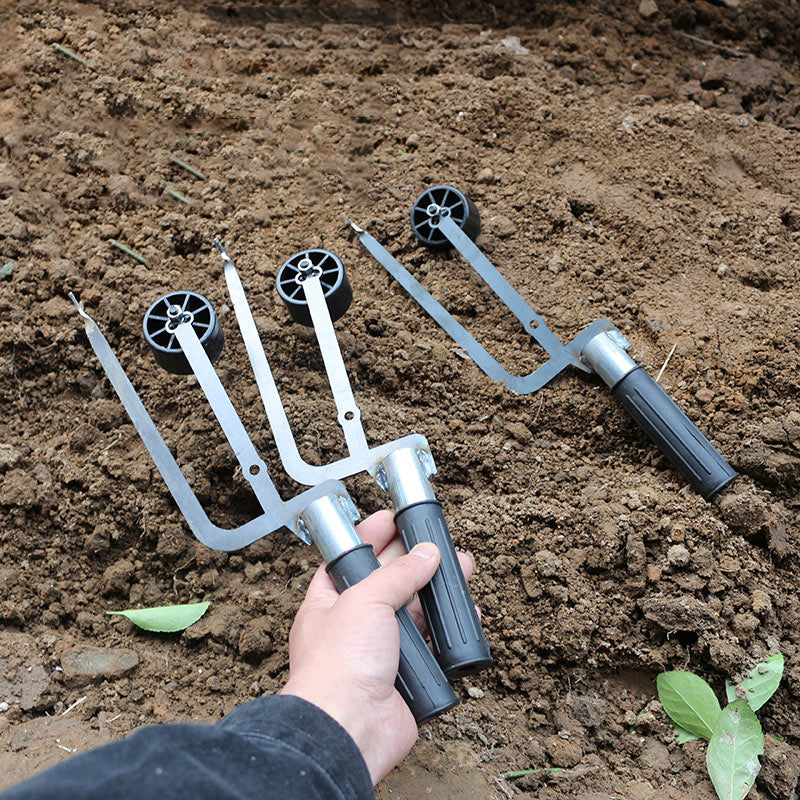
(211, 535)
(533, 323)
(296, 467)
(348, 413)
(521, 384)
(254, 468)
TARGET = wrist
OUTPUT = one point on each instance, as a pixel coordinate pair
(357, 722)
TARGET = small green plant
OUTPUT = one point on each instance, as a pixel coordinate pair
(734, 735)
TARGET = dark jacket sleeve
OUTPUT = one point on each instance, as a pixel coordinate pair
(274, 748)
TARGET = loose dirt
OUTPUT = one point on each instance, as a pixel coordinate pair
(622, 169)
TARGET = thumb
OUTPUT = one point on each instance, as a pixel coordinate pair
(396, 582)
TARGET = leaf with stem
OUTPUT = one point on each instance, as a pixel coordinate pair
(761, 683)
(689, 701)
(732, 758)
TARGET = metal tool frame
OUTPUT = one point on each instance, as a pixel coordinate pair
(277, 513)
(561, 355)
(361, 457)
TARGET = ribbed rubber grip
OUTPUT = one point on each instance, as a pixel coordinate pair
(458, 639)
(420, 679)
(675, 434)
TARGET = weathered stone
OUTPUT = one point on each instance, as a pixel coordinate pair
(563, 752)
(502, 226)
(9, 456)
(83, 665)
(23, 679)
(648, 8)
(678, 555)
(486, 176)
(681, 614)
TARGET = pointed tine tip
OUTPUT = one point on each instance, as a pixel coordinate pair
(218, 245)
(352, 224)
(78, 306)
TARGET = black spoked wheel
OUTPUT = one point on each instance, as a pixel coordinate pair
(163, 317)
(438, 202)
(335, 286)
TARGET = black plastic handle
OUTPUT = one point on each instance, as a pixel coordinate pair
(675, 434)
(458, 639)
(420, 679)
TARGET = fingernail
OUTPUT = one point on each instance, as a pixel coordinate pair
(425, 550)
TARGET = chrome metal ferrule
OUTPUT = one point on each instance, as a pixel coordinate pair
(407, 478)
(607, 359)
(330, 524)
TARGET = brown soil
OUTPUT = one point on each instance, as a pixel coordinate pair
(621, 169)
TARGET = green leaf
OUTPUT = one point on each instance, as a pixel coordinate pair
(730, 691)
(689, 701)
(763, 681)
(732, 757)
(165, 619)
(683, 735)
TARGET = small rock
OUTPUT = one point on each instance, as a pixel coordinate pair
(485, 176)
(547, 563)
(655, 755)
(51, 35)
(9, 456)
(678, 555)
(648, 8)
(117, 578)
(474, 691)
(513, 43)
(412, 141)
(653, 573)
(555, 264)
(589, 711)
(704, 395)
(519, 431)
(3, 707)
(722, 270)
(760, 602)
(83, 665)
(562, 752)
(503, 226)
(6, 271)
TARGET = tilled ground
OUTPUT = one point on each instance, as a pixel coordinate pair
(622, 169)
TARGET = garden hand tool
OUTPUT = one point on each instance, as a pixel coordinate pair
(315, 289)
(184, 335)
(441, 217)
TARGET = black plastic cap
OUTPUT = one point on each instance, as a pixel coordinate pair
(332, 278)
(454, 203)
(160, 335)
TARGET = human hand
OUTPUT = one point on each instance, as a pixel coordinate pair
(344, 649)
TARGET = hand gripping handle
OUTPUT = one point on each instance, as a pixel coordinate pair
(420, 680)
(456, 634)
